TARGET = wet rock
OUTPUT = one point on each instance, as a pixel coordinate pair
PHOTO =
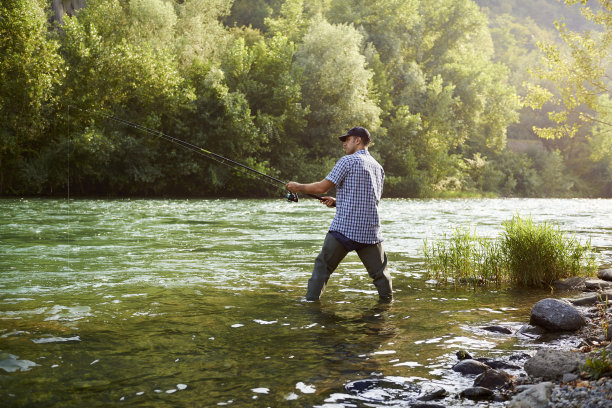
(556, 315)
(426, 405)
(435, 394)
(552, 364)
(531, 331)
(573, 283)
(597, 284)
(477, 393)
(593, 299)
(497, 329)
(383, 390)
(519, 356)
(470, 366)
(497, 364)
(493, 379)
(463, 355)
(534, 396)
(605, 274)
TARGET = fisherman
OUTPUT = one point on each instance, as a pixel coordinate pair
(358, 179)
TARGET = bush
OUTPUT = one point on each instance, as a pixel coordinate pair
(524, 254)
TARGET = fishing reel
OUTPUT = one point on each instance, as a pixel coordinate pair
(292, 197)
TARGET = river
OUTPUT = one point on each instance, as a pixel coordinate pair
(180, 303)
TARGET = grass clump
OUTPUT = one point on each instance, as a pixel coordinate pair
(524, 254)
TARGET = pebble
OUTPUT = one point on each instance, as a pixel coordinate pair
(590, 394)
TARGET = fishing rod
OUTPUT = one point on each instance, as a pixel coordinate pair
(292, 197)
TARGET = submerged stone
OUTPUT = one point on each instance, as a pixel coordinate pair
(497, 329)
(383, 390)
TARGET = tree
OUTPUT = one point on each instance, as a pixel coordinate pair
(30, 71)
(336, 84)
(580, 74)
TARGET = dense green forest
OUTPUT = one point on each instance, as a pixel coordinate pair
(463, 98)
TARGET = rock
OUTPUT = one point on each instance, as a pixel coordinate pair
(556, 315)
(426, 405)
(535, 396)
(569, 377)
(532, 332)
(497, 364)
(477, 393)
(605, 274)
(552, 364)
(597, 284)
(470, 366)
(493, 379)
(463, 355)
(497, 329)
(519, 356)
(435, 394)
(593, 299)
(574, 283)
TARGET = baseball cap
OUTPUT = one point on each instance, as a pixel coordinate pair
(357, 131)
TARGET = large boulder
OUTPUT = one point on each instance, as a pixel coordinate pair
(534, 396)
(552, 364)
(556, 315)
(605, 274)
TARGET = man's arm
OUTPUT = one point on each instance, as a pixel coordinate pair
(319, 187)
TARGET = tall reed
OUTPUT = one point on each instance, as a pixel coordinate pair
(538, 254)
(524, 254)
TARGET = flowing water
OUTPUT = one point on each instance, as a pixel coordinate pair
(181, 303)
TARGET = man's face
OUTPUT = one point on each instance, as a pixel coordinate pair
(351, 144)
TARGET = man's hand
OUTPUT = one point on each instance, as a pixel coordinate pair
(293, 186)
(329, 201)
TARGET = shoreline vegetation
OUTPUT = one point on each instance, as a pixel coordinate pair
(525, 254)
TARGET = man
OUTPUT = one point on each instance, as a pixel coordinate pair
(358, 179)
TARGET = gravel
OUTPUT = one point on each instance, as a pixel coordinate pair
(583, 394)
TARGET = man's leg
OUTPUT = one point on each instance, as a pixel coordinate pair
(375, 261)
(326, 263)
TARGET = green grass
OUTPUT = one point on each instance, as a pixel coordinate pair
(525, 254)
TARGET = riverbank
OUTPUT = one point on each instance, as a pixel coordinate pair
(573, 363)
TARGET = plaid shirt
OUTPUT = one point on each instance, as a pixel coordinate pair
(359, 183)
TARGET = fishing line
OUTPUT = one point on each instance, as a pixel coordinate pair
(206, 153)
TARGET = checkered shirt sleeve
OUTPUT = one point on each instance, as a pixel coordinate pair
(359, 183)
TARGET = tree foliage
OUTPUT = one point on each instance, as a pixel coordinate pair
(272, 83)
